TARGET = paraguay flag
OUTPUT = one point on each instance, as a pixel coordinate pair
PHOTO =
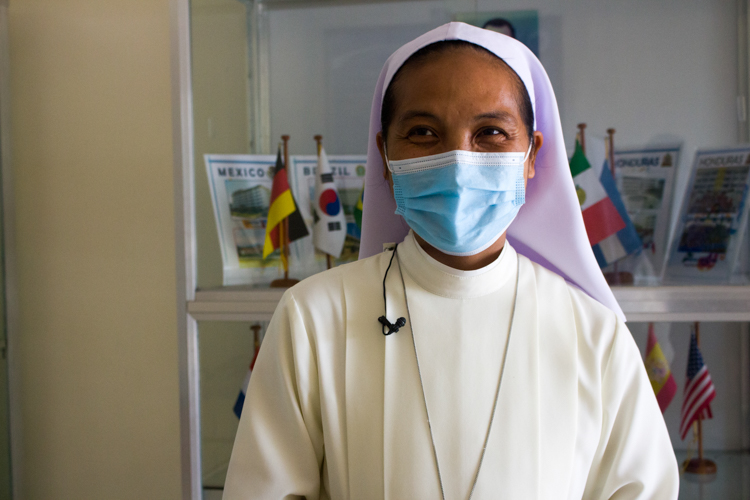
(329, 229)
(610, 231)
(243, 390)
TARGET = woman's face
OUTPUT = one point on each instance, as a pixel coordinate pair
(460, 99)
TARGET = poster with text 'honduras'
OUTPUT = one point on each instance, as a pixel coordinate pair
(711, 226)
(645, 179)
(240, 188)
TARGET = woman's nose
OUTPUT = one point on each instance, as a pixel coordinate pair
(458, 139)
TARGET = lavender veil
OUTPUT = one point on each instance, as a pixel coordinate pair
(549, 228)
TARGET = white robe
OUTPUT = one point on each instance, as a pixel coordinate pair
(335, 409)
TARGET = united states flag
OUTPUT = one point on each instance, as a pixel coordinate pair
(699, 390)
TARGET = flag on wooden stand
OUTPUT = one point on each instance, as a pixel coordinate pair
(282, 207)
(329, 228)
(243, 390)
(610, 231)
(699, 390)
(658, 371)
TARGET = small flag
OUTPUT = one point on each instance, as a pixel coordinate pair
(603, 219)
(626, 241)
(699, 390)
(358, 208)
(282, 207)
(243, 390)
(658, 371)
(329, 229)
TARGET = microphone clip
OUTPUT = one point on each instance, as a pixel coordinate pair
(392, 327)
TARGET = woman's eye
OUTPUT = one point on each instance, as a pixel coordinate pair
(421, 132)
(490, 131)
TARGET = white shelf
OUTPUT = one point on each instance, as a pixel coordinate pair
(663, 303)
(235, 303)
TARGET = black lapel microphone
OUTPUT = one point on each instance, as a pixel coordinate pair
(392, 327)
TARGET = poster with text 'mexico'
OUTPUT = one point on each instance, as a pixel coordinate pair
(240, 188)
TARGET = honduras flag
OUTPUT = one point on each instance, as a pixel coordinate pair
(608, 226)
(625, 241)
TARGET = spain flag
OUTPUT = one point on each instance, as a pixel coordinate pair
(282, 207)
(658, 371)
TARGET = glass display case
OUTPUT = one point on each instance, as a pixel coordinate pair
(247, 72)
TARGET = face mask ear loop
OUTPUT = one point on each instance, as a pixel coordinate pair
(387, 161)
(526, 156)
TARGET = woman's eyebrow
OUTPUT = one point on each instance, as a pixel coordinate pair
(408, 115)
(496, 115)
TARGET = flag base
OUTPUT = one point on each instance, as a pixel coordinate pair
(619, 278)
(701, 466)
(284, 283)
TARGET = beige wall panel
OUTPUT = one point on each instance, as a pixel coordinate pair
(92, 153)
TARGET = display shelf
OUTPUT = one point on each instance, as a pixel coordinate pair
(663, 303)
(235, 303)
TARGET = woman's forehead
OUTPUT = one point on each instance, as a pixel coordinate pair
(458, 76)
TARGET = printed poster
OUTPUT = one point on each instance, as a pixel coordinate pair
(241, 193)
(349, 176)
(645, 179)
(711, 226)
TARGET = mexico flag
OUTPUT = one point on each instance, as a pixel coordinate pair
(329, 229)
(611, 234)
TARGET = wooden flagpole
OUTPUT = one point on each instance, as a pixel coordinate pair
(284, 282)
(319, 141)
(611, 135)
(285, 226)
(256, 334)
(700, 465)
(582, 136)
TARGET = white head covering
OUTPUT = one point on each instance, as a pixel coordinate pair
(549, 228)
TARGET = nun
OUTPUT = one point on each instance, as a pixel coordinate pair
(474, 351)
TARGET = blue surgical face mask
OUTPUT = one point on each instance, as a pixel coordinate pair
(460, 202)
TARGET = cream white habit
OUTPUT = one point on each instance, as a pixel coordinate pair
(335, 410)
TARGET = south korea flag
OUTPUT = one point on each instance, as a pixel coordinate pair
(329, 228)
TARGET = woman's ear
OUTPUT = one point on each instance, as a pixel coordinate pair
(530, 170)
(381, 147)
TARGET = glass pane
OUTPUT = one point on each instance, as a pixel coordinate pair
(662, 75)
(226, 351)
(220, 110)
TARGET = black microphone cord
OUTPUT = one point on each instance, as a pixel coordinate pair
(392, 327)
